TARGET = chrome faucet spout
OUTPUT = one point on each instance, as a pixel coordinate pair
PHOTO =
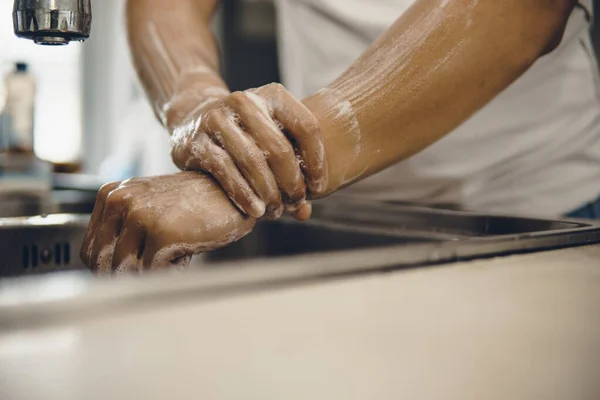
(52, 22)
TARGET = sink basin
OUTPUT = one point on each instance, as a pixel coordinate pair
(37, 245)
(433, 235)
(289, 238)
(443, 224)
(420, 236)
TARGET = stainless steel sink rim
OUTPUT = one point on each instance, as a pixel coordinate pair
(384, 221)
(99, 295)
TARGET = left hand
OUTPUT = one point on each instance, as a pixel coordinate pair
(157, 222)
(263, 146)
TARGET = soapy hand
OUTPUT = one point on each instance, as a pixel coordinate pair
(263, 146)
(157, 222)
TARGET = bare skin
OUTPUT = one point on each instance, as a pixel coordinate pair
(240, 141)
(436, 65)
(127, 232)
(239, 138)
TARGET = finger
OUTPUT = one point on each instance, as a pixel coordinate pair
(302, 213)
(219, 164)
(104, 245)
(108, 232)
(222, 167)
(280, 154)
(88, 241)
(302, 126)
(248, 157)
(129, 248)
(162, 247)
(156, 257)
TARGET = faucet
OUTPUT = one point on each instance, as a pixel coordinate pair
(52, 22)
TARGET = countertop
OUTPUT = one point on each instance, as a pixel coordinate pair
(518, 327)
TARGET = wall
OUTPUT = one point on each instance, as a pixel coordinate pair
(58, 117)
(109, 85)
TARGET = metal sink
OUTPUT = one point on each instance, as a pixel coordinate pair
(420, 236)
(432, 235)
(46, 244)
(442, 224)
(290, 238)
(41, 244)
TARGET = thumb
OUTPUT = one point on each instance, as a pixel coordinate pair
(303, 213)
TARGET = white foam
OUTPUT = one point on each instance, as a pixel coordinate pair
(105, 256)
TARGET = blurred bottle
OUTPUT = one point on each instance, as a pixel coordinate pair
(25, 180)
(18, 109)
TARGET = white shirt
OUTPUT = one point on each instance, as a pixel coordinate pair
(535, 149)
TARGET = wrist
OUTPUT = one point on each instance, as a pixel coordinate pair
(187, 104)
(342, 138)
(182, 120)
(193, 88)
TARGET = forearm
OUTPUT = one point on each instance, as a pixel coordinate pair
(175, 55)
(436, 66)
(236, 138)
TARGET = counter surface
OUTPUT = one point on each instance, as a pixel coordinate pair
(519, 327)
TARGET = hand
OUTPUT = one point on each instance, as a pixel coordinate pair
(159, 222)
(263, 146)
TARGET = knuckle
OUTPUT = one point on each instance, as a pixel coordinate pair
(212, 117)
(135, 182)
(214, 114)
(106, 189)
(277, 87)
(129, 182)
(116, 201)
(138, 218)
(219, 124)
(237, 97)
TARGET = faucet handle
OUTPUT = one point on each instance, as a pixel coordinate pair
(52, 22)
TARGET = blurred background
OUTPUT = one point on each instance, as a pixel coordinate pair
(94, 85)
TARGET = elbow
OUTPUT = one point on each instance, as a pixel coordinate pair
(532, 29)
(549, 20)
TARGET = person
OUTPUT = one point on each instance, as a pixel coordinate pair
(490, 105)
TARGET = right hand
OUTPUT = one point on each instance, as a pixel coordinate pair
(157, 222)
(263, 146)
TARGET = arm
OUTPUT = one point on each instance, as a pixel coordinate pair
(175, 54)
(436, 66)
(237, 138)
